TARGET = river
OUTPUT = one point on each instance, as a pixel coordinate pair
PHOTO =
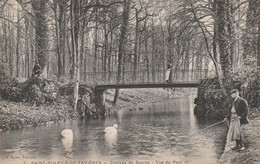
(159, 131)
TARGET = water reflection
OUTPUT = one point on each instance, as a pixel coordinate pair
(67, 141)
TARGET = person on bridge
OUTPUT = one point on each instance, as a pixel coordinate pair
(168, 73)
(237, 116)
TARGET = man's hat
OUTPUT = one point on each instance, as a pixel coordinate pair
(234, 91)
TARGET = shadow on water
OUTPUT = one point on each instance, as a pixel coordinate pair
(158, 131)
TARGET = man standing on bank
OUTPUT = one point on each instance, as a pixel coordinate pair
(237, 116)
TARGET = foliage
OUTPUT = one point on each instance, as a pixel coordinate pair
(210, 102)
(18, 115)
(6, 91)
(4, 70)
(68, 89)
(4, 75)
(34, 90)
(12, 93)
(247, 81)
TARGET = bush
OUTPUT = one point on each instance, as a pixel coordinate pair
(12, 93)
(35, 90)
(4, 76)
(4, 71)
(247, 80)
(212, 104)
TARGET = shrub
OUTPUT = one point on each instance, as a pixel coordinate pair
(212, 104)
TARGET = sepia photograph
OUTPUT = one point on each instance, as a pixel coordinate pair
(129, 81)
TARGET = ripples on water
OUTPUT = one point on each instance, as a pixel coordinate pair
(161, 130)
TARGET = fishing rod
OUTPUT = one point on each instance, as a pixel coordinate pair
(213, 125)
(207, 128)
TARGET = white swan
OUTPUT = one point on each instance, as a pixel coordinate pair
(67, 133)
(111, 135)
(111, 129)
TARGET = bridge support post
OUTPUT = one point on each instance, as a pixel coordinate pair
(99, 100)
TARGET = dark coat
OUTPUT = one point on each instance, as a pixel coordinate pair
(36, 70)
(241, 108)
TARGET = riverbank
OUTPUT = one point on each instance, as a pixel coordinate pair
(133, 98)
(251, 155)
(19, 115)
(16, 115)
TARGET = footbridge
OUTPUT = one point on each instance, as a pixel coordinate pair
(141, 79)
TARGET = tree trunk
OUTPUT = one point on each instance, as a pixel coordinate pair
(27, 50)
(95, 66)
(58, 38)
(63, 33)
(110, 67)
(214, 8)
(225, 59)
(11, 37)
(187, 61)
(39, 8)
(136, 43)
(18, 47)
(122, 44)
(258, 42)
(82, 43)
(82, 51)
(146, 53)
(153, 55)
(74, 12)
(231, 30)
(164, 47)
(105, 52)
(4, 47)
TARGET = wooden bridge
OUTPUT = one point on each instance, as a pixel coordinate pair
(141, 79)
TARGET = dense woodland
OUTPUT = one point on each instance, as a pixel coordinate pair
(70, 38)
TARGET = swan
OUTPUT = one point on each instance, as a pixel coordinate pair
(67, 133)
(111, 129)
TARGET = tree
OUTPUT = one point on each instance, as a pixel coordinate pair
(18, 46)
(251, 35)
(139, 8)
(75, 28)
(59, 8)
(122, 44)
(41, 29)
(258, 45)
(225, 59)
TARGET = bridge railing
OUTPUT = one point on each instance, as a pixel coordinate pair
(143, 76)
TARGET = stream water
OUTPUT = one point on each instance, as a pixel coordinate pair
(159, 131)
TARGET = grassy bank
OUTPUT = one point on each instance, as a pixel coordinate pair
(18, 115)
(251, 155)
(15, 115)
